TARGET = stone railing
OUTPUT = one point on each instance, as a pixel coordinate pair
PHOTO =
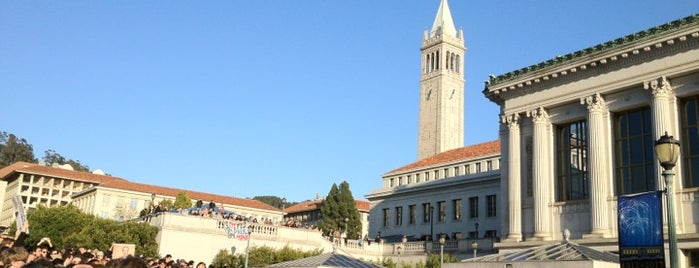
(175, 229)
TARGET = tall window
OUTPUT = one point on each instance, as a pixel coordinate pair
(399, 216)
(412, 210)
(633, 142)
(385, 217)
(690, 141)
(426, 212)
(473, 206)
(442, 210)
(571, 143)
(491, 203)
(457, 209)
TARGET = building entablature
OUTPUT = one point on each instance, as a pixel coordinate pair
(476, 165)
(475, 179)
(672, 36)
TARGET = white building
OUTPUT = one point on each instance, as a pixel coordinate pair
(576, 132)
(451, 189)
(102, 195)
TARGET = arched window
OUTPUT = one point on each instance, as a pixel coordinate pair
(437, 60)
(448, 60)
(458, 63)
(427, 63)
(453, 60)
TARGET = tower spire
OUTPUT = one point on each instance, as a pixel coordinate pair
(443, 23)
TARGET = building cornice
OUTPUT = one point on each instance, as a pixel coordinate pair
(620, 49)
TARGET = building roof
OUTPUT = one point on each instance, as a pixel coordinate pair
(586, 54)
(327, 260)
(459, 154)
(194, 195)
(362, 206)
(119, 183)
(443, 22)
(563, 251)
(31, 168)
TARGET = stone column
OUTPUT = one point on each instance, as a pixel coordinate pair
(541, 179)
(514, 181)
(663, 121)
(598, 166)
(662, 92)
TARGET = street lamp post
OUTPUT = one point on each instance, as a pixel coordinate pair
(431, 223)
(247, 248)
(441, 250)
(667, 150)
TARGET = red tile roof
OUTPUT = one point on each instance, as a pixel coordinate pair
(119, 183)
(362, 206)
(482, 149)
(304, 206)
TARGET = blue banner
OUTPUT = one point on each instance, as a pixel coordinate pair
(641, 230)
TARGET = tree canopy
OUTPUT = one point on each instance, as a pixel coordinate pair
(275, 201)
(339, 212)
(52, 157)
(260, 256)
(182, 200)
(14, 149)
(67, 226)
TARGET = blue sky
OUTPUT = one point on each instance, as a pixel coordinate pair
(267, 97)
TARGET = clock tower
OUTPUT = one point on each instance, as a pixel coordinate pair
(441, 126)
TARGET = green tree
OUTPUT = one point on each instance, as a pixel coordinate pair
(260, 256)
(339, 212)
(182, 200)
(67, 226)
(349, 212)
(52, 157)
(166, 204)
(330, 212)
(275, 201)
(14, 149)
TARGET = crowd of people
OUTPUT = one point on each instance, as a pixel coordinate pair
(203, 210)
(15, 253)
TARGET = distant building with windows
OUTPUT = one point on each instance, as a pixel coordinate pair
(102, 195)
(576, 132)
(451, 189)
(307, 214)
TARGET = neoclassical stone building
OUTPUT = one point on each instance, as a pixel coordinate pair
(451, 189)
(578, 131)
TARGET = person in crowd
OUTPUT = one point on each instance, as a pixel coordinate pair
(15, 257)
(39, 263)
(127, 262)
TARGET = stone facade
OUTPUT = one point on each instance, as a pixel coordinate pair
(580, 130)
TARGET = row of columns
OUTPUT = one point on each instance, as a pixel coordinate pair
(598, 155)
